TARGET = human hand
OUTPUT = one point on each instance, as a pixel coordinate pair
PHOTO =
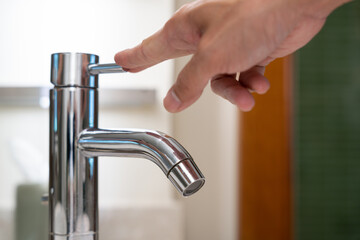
(227, 37)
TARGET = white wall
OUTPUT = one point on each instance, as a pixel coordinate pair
(32, 30)
(209, 130)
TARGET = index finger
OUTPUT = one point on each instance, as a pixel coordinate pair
(151, 51)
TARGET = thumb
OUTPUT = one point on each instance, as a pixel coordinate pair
(190, 84)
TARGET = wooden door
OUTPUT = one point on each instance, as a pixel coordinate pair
(266, 209)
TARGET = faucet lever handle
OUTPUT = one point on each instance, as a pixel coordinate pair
(95, 69)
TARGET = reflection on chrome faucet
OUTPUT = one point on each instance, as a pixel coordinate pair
(76, 143)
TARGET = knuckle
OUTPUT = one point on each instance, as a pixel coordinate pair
(215, 59)
(182, 87)
(143, 53)
(180, 32)
(185, 91)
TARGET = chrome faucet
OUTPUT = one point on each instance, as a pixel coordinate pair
(76, 143)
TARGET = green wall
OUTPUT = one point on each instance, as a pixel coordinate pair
(327, 130)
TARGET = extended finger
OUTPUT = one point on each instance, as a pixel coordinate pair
(151, 51)
(147, 53)
(179, 36)
(229, 88)
(189, 84)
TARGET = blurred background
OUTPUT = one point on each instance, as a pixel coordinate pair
(300, 155)
(289, 169)
(136, 201)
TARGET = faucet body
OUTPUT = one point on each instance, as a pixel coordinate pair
(76, 142)
(73, 183)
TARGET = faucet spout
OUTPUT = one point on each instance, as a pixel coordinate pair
(161, 149)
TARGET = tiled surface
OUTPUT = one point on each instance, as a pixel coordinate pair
(6, 225)
(125, 223)
(143, 223)
(328, 131)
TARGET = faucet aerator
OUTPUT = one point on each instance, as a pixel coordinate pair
(186, 177)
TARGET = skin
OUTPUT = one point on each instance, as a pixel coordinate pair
(226, 37)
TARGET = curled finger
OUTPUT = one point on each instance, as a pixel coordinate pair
(229, 88)
(254, 80)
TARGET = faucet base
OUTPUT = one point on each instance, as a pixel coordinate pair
(75, 237)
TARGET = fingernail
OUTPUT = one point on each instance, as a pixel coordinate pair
(172, 102)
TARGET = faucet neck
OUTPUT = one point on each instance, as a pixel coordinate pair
(73, 182)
